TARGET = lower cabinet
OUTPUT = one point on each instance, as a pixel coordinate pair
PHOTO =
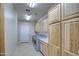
(53, 50)
(54, 34)
(44, 48)
(71, 37)
(54, 40)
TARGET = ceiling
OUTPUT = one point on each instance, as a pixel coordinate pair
(37, 12)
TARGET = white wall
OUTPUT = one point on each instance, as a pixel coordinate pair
(10, 22)
(24, 34)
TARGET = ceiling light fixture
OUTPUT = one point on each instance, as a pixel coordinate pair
(31, 4)
(27, 17)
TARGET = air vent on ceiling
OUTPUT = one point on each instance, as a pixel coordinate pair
(27, 10)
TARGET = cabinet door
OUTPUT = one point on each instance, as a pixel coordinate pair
(54, 34)
(70, 10)
(41, 46)
(54, 39)
(54, 14)
(37, 27)
(41, 26)
(44, 25)
(53, 50)
(71, 36)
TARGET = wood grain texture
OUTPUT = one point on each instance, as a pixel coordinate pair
(70, 10)
(2, 49)
(44, 48)
(53, 50)
(37, 27)
(44, 26)
(69, 29)
(68, 53)
(71, 36)
(54, 14)
(54, 34)
(54, 40)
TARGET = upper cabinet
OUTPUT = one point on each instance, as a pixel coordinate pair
(44, 26)
(37, 27)
(54, 14)
(41, 26)
(70, 10)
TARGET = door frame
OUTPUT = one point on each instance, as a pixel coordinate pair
(2, 44)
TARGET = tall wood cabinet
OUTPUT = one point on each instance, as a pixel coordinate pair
(63, 30)
(54, 31)
(70, 29)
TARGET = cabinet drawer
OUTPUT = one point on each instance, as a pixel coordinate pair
(71, 35)
(70, 10)
(54, 14)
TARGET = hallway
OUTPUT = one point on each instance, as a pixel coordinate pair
(26, 49)
(53, 28)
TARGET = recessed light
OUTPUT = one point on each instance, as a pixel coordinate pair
(32, 5)
(27, 17)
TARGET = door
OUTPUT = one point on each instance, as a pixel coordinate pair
(25, 32)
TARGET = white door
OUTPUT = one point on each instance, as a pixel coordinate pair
(25, 32)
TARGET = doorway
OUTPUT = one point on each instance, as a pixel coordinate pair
(26, 30)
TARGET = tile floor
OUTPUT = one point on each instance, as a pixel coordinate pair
(26, 49)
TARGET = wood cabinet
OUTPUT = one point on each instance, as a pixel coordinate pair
(44, 48)
(54, 14)
(71, 37)
(37, 27)
(54, 34)
(44, 25)
(54, 39)
(70, 10)
(63, 35)
(41, 26)
(53, 50)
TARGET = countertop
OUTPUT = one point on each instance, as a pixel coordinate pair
(44, 40)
